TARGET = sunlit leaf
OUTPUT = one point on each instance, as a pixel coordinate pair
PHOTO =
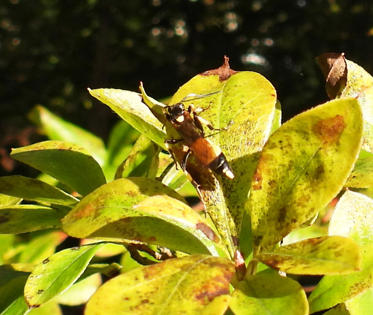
(304, 233)
(39, 247)
(27, 218)
(362, 174)
(129, 107)
(58, 129)
(67, 162)
(304, 164)
(315, 256)
(352, 217)
(269, 293)
(189, 285)
(6, 200)
(361, 304)
(57, 273)
(35, 190)
(81, 291)
(143, 210)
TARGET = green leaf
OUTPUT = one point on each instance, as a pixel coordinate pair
(57, 273)
(121, 140)
(41, 246)
(315, 256)
(304, 233)
(58, 129)
(142, 161)
(189, 285)
(362, 174)
(143, 210)
(276, 123)
(67, 162)
(6, 200)
(333, 290)
(81, 291)
(304, 164)
(361, 304)
(6, 243)
(11, 290)
(352, 217)
(129, 107)
(269, 293)
(17, 307)
(35, 190)
(27, 218)
(47, 309)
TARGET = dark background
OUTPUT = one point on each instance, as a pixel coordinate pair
(52, 50)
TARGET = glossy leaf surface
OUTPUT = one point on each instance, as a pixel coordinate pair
(189, 285)
(269, 293)
(302, 167)
(57, 273)
(67, 162)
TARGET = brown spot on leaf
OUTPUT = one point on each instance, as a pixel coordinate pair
(40, 291)
(212, 289)
(330, 129)
(257, 180)
(45, 261)
(84, 211)
(224, 71)
(205, 229)
(3, 219)
(334, 68)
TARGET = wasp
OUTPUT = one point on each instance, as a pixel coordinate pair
(189, 125)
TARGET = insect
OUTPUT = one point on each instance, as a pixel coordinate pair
(189, 126)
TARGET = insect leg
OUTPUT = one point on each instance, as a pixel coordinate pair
(185, 159)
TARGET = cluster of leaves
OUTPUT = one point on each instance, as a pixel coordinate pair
(126, 202)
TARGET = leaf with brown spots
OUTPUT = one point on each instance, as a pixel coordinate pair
(303, 165)
(57, 273)
(143, 209)
(315, 256)
(269, 293)
(190, 285)
(352, 217)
